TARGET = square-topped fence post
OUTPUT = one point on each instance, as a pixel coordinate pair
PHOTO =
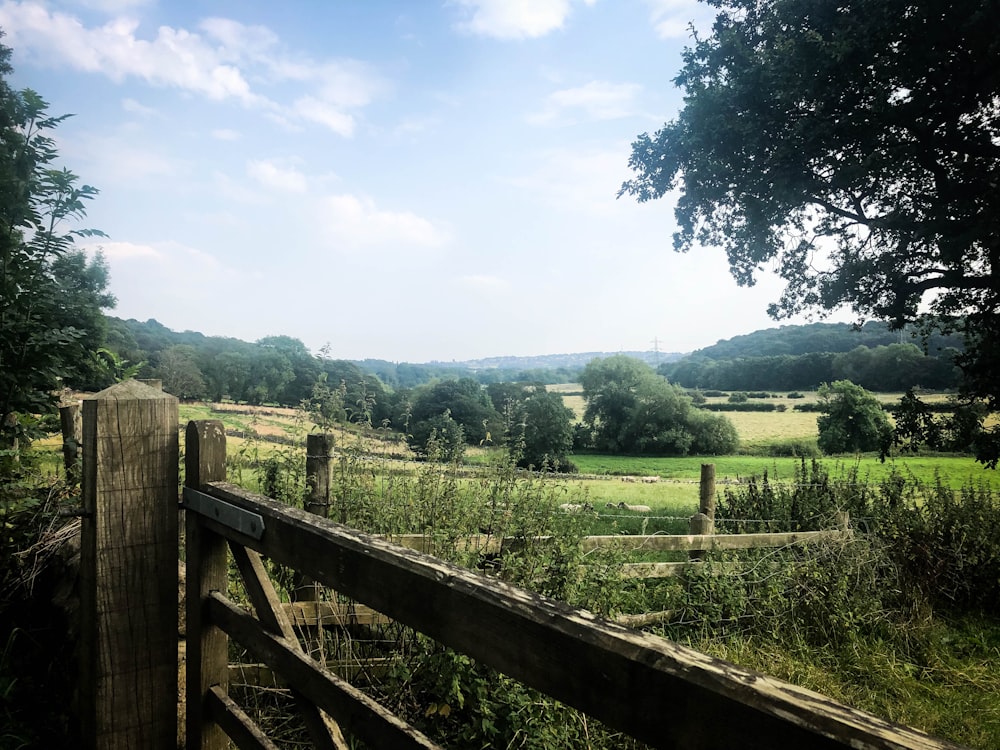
(128, 571)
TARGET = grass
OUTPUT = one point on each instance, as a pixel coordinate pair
(953, 696)
(954, 471)
(950, 693)
(676, 496)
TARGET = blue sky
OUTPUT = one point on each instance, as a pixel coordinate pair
(409, 181)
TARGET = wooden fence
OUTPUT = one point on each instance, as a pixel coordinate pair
(657, 691)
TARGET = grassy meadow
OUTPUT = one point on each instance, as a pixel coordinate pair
(944, 682)
(599, 481)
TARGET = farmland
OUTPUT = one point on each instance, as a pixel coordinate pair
(600, 475)
(843, 626)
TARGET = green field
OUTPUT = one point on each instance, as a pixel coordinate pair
(954, 471)
(677, 491)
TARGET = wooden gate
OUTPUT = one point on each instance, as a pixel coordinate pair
(664, 694)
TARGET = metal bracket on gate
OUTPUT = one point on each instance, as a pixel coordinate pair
(231, 516)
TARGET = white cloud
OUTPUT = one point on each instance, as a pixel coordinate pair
(597, 100)
(238, 40)
(672, 19)
(225, 134)
(273, 175)
(135, 108)
(347, 83)
(514, 19)
(314, 110)
(175, 58)
(217, 62)
(353, 222)
(117, 251)
(179, 258)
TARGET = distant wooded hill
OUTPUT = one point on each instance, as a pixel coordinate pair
(804, 356)
(280, 369)
(822, 337)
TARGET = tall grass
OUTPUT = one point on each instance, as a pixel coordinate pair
(895, 619)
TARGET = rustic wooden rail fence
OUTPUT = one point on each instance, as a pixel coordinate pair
(657, 691)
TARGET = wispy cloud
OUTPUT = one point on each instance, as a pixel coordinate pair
(318, 111)
(578, 180)
(673, 19)
(277, 176)
(484, 283)
(514, 19)
(352, 222)
(596, 100)
(133, 107)
(122, 250)
(113, 159)
(226, 134)
(217, 60)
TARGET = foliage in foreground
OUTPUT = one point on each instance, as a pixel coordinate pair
(899, 619)
(51, 295)
(37, 664)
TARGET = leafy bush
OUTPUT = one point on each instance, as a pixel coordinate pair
(852, 420)
(945, 544)
(742, 406)
(784, 448)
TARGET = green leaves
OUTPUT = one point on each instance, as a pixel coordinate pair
(631, 409)
(852, 421)
(51, 295)
(852, 146)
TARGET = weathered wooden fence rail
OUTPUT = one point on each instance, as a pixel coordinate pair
(660, 692)
(622, 677)
(694, 544)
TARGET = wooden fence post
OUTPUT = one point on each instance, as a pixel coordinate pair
(72, 437)
(703, 522)
(706, 491)
(207, 571)
(128, 569)
(319, 454)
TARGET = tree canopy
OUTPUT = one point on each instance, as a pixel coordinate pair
(855, 147)
(538, 426)
(51, 294)
(852, 421)
(631, 409)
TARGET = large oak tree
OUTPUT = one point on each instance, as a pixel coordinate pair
(854, 147)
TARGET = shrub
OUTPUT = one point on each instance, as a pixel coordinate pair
(741, 406)
(852, 420)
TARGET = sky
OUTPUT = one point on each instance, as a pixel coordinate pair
(409, 180)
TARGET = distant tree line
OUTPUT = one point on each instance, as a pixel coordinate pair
(892, 367)
(630, 407)
(826, 337)
(439, 411)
